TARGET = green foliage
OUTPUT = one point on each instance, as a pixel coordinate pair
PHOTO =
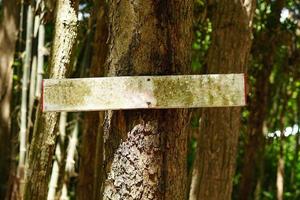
(291, 188)
(191, 154)
(202, 37)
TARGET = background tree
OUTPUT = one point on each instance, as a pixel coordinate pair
(219, 127)
(258, 104)
(272, 54)
(90, 172)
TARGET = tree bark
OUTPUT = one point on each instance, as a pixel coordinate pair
(91, 159)
(43, 142)
(146, 150)
(8, 38)
(219, 128)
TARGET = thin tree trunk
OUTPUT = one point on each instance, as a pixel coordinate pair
(219, 128)
(146, 150)
(91, 159)
(31, 93)
(280, 165)
(25, 81)
(261, 165)
(296, 151)
(43, 142)
(33, 73)
(280, 171)
(69, 168)
(295, 161)
(58, 157)
(8, 37)
(40, 60)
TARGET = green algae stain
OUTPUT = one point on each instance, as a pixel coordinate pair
(172, 92)
(68, 93)
(235, 98)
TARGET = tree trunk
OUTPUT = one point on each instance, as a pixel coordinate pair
(8, 37)
(146, 150)
(296, 151)
(91, 159)
(220, 127)
(254, 147)
(280, 163)
(295, 160)
(24, 111)
(59, 156)
(42, 146)
(260, 152)
(280, 170)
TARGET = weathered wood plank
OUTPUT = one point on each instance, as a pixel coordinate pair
(143, 92)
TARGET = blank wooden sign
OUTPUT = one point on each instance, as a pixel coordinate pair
(143, 92)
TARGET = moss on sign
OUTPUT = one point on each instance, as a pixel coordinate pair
(172, 91)
(68, 93)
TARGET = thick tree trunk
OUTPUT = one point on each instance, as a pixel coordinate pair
(43, 142)
(146, 150)
(8, 37)
(219, 128)
(91, 159)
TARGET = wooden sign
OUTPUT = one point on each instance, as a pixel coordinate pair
(143, 92)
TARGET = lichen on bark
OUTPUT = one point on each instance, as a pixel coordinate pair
(135, 171)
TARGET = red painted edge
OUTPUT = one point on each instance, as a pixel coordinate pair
(42, 96)
(245, 87)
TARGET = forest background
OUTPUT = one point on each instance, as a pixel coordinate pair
(225, 153)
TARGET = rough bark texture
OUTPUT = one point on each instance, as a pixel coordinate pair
(90, 169)
(146, 150)
(219, 129)
(43, 142)
(8, 37)
(258, 104)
